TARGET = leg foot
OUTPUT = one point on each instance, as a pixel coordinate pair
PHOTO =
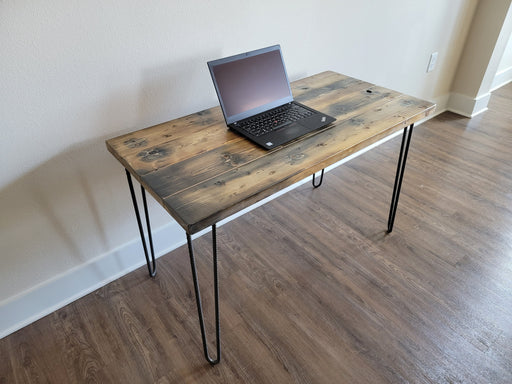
(321, 179)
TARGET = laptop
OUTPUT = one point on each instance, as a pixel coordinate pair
(256, 98)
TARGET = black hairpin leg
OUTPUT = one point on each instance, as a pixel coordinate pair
(198, 296)
(404, 150)
(321, 179)
(152, 264)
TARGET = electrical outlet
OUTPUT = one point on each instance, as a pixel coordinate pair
(432, 62)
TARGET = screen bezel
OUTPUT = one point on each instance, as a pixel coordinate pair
(265, 107)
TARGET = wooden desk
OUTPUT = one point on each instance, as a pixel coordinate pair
(201, 172)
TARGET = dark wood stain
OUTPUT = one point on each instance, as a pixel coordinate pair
(201, 172)
(135, 143)
(153, 154)
(245, 185)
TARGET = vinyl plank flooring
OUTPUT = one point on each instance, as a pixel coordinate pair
(313, 290)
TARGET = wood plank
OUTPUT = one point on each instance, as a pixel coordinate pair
(176, 177)
(196, 155)
(172, 142)
(150, 148)
(220, 196)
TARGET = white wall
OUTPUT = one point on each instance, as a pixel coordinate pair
(483, 49)
(73, 74)
(504, 72)
(506, 59)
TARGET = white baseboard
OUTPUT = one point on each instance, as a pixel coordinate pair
(51, 295)
(41, 300)
(502, 78)
(468, 106)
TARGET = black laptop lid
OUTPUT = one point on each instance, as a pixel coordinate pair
(250, 83)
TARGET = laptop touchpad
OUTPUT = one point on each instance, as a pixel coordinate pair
(293, 130)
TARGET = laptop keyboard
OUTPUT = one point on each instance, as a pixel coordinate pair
(274, 119)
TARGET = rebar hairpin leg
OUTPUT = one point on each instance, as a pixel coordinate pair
(198, 296)
(404, 149)
(321, 179)
(151, 265)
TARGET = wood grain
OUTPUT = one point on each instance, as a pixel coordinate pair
(312, 289)
(201, 172)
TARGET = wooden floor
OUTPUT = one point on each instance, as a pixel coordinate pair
(312, 288)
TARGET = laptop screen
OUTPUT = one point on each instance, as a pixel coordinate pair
(250, 83)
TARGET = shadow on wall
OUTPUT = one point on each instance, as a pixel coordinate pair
(76, 207)
(62, 214)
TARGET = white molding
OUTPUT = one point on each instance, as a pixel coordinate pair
(502, 78)
(468, 106)
(49, 296)
(441, 106)
(45, 298)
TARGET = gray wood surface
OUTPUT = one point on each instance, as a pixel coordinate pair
(201, 172)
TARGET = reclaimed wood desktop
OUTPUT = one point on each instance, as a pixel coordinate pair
(201, 172)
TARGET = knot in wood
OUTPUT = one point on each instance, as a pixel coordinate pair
(406, 103)
(135, 142)
(296, 157)
(152, 154)
(232, 158)
(357, 121)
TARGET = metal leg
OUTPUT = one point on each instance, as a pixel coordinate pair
(404, 150)
(151, 265)
(198, 296)
(321, 179)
